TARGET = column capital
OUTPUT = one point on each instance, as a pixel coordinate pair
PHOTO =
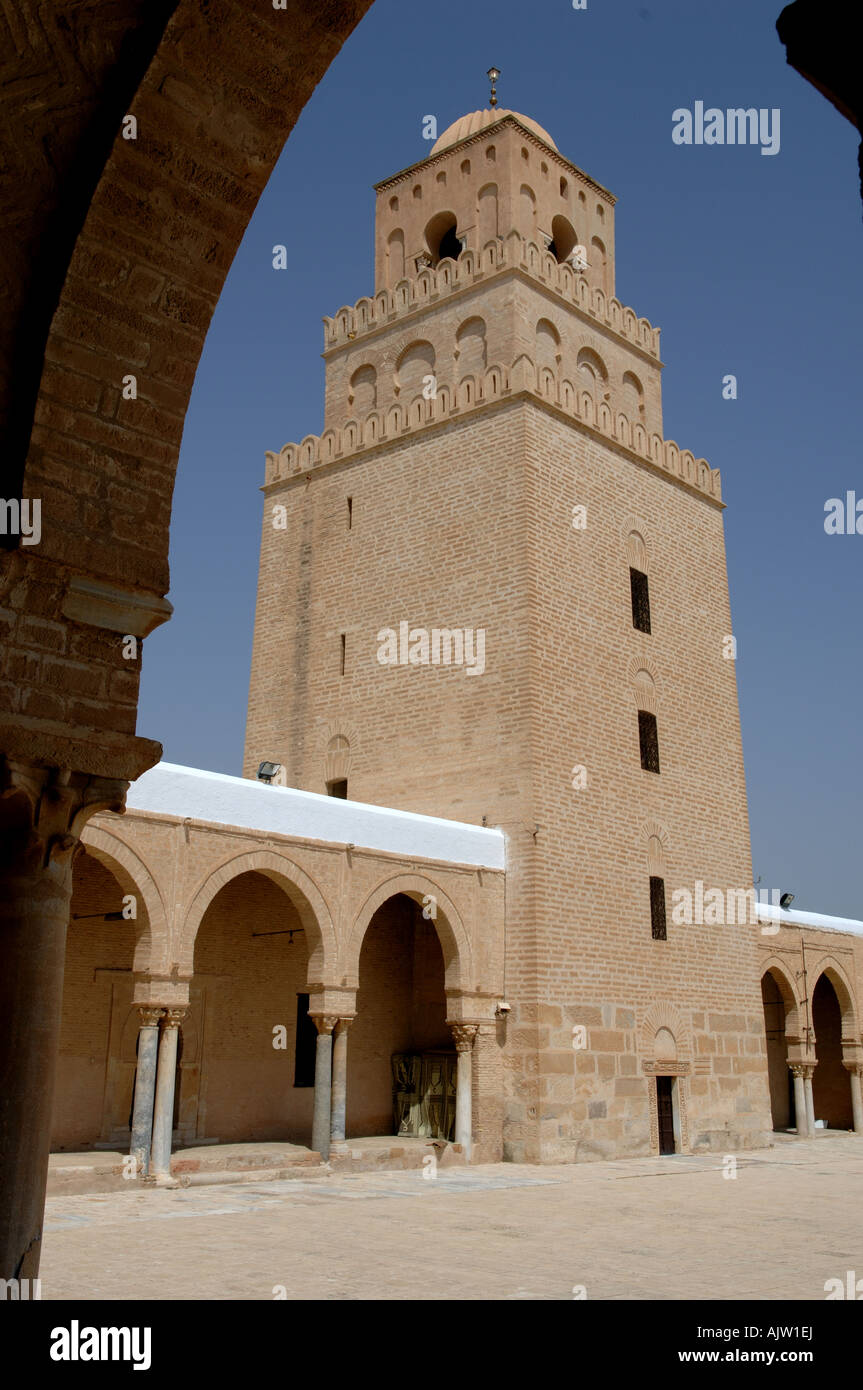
(48, 807)
(803, 1070)
(854, 1065)
(325, 1023)
(345, 1022)
(149, 1015)
(463, 1035)
(174, 1017)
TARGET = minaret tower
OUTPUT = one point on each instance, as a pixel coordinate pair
(492, 590)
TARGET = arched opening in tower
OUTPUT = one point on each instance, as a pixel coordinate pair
(563, 238)
(441, 238)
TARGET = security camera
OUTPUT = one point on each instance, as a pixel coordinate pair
(503, 1008)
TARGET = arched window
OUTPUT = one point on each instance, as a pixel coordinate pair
(487, 213)
(547, 344)
(599, 262)
(441, 238)
(416, 362)
(527, 201)
(471, 348)
(395, 257)
(363, 395)
(563, 238)
(591, 369)
(633, 395)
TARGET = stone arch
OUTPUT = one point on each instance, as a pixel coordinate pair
(599, 263)
(339, 753)
(451, 932)
(844, 993)
(487, 213)
(414, 362)
(527, 212)
(547, 345)
(836, 1042)
(637, 552)
(633, 395)
(471, 350)
(395, 256)
(152, 945)
(778, 970)
(656, 841)
(591, 368)
(441, 236)
(363, 393)
(563, 238)
(643, 682)
(663, 1017)
(303, 892)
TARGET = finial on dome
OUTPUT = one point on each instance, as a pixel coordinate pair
(493, 74)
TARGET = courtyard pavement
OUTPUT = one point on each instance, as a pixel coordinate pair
(652, 1228)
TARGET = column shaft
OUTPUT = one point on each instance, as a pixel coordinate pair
(856, 1100)
(323, 1085)
(464, 1034)
(810, 1104)
(145, 1089)
(34, 911)
(801, 1117)
(163, 1116)
(340, 1081)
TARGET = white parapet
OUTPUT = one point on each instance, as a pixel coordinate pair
(189, 792)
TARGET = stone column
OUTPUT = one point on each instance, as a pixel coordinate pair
(464, 1034)
(854, 1069)
(325, 1023)
(163, 1116)
(145, 1087)
(42, 813)
(340, 1081)
(798, 1071)
(810, 1101)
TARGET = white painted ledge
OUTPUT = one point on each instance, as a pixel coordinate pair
(790, 917)
(169, 789)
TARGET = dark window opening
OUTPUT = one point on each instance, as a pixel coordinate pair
(648, 738)
(350, 512)
(306, 1044)
(450, 245)
(657, 909)
(342, 664)
(640, 600)
(338, 788)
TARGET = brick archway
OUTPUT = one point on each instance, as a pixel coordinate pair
(304, 893)
(136, 236)
(151, 946)
(447, 921)
(115, 255)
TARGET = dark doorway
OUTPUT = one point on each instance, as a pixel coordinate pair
(831, 1084)
(778, 1072)
(665, 1113)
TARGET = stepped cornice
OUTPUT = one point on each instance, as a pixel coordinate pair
(494, 387)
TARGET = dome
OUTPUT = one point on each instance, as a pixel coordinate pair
(476, 121)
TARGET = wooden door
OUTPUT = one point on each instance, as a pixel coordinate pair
(665, 1113)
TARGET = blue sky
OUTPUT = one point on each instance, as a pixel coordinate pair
(750, 264)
